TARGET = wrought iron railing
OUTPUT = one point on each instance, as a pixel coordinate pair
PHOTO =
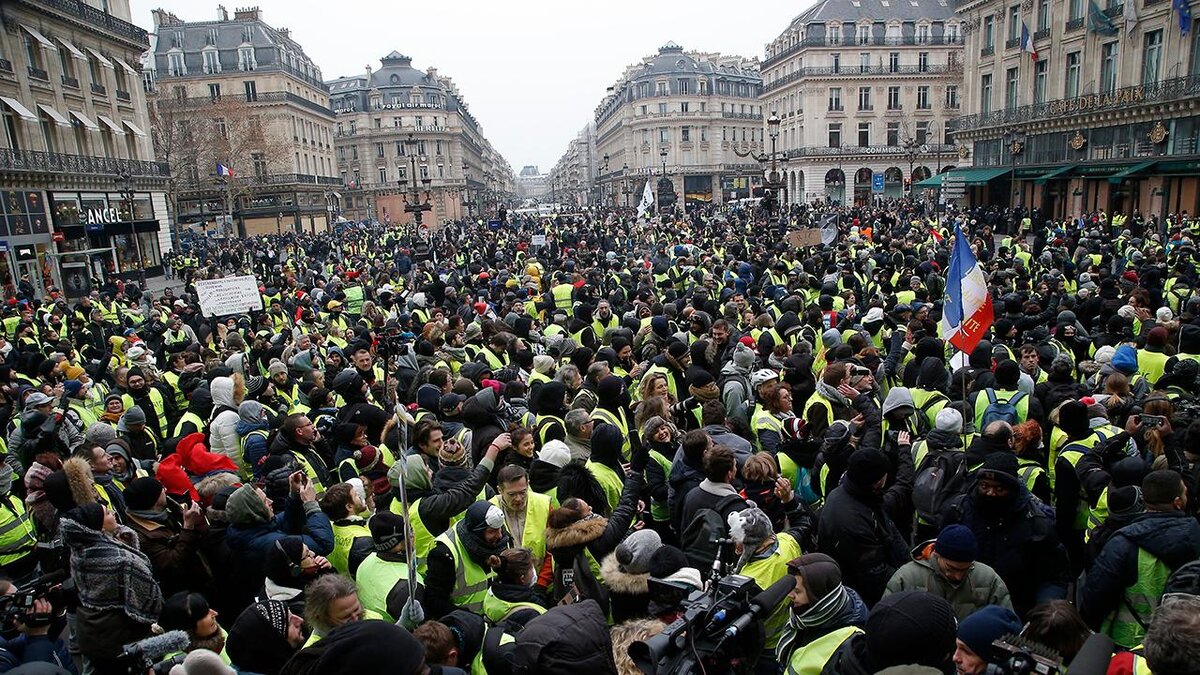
(268, 97)
(741, 116)
(54, 162)
(823, 151)
(99, 89)
(98, 18)
(122, 96)
(850, 71)
(1127, 97)
(6, 65)
(873, 41)
(987, 51)
(39, 74)
(72, 82)
(1074, 24)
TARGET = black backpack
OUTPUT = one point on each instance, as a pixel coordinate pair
(700, 538)
(923, 424)
(941, 476)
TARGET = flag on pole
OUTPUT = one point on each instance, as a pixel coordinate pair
(1131, 17)
(937, 236)
(967, 307)
(1027, 42)
(829, 229)
(1185, 15)
(647, 201)
(223, 170)
(1100, 24)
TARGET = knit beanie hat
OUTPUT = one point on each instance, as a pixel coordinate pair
(820, 572)
(100, 433)
(135, 415)
(1000, 464)
(634, 553)
(277, 367)
(202, 662)
(89, 515)
(986, 625)
(255, 385)
(670, 565)
(750, 527)
(142, 493)
(182, 611)
(1104, 354)
(956, 543)
(543, 364)
(72, 387)
(1125, 500)
(743, 357)
(949, 419)
(677, 350)
(246, 508)
(555, 453)
(910, 627)
(1073, 418)
(867, 466)
(452, 454)
(73, 372)
(387, 530)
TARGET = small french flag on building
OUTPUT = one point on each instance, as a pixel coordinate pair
(1027, 42)
(223, 170)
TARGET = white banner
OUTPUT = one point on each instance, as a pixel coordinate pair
(231, 295)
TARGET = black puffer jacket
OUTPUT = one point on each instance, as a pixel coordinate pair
(855, 530)
(566, 639)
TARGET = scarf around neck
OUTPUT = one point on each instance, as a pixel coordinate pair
(832, 394)
(814, 616)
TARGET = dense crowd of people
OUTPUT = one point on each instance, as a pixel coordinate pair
(453, 451)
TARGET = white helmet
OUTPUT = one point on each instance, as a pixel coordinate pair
(760, 377)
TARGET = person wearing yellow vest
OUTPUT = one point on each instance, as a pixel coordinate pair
(331, 601)
(763, 555)
(386, 567)
(822, 614)
(605, 463)
(1151, 359)
(462, 561)
(525, 512)
(514, 594)
(345, 504)
(18, 535)
(1081, 475)
(149, 399)
(1125, 584)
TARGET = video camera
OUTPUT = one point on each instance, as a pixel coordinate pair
(18, 606)
(721, 630)
(1024, 657)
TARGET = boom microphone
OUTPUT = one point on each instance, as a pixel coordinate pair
(152, 649)
(1093, 658)
(762, 605)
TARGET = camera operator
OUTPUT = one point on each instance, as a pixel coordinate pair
(33, 643)
(974, 651)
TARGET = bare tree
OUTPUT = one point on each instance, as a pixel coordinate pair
(174, 134)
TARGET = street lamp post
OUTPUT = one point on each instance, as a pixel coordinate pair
(910, 147)
(412, 199)
(625, 183)
(1014, 138)
(126, 188)
(773, 182)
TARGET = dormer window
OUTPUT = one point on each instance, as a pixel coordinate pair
(212, 61)
(246, 59)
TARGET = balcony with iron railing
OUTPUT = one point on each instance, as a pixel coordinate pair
(852, 71)
(38, 74)
(36, 161)
(741, 116)
(123, 96)
(99, 89)
(78, 9)
(294, 179)
(935, 149)
(1074, 24)
(6, 65)
(70, 82)
(872, 41)
(1163, 91)
(272, 97)
(1041, 34)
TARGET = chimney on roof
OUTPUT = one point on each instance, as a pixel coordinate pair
(164, 18)
(222, 13)
(431, 73)
(286, 33)
(247, 14)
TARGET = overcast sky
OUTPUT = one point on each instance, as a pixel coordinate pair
(532, 71)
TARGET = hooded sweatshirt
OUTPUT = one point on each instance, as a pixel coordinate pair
(223, 436)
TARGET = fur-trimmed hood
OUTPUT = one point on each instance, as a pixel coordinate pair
(79, 478)
(619, 581)
(578, 533)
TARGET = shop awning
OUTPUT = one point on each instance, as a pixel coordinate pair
(931, 182)
(1121, 175)
(73, 49)
(128, 68)
(101, 58)
(112, 126)
(1183, 167)
(54, 115)
(39, 37)
(21, 110)
(134, 128)
(84, 120)
(1053, 173)
(969, 176)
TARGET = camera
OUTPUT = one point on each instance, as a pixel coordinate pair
(720, 630)
(1024, 657)
(18, 606)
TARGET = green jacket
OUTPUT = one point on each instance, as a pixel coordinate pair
(981, 586)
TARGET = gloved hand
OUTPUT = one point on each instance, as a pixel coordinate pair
(639, 458)
(411, 615)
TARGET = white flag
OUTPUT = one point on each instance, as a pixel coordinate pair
(647, 201)
(829, 229)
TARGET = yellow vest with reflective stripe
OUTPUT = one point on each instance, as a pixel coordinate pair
(769, 570)
(609, 481)
(562, 296)
(160, 412)
(660, 511)
(18, 537)
(618, 421)
(343, 539)
(1139, 602)
(423, 539)
(496, 609)
(811, 658)
(813, 400)
(470, 580)
(375, 578)
(537, 512)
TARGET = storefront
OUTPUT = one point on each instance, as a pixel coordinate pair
(25, 240)
(101, 235)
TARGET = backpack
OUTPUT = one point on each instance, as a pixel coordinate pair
(700, 538)
(923, 424)
(998, 410)
(941, 476)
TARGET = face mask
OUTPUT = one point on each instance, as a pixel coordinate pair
(533, 577)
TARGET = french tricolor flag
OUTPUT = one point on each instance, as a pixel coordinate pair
(1027, 42)
(223, 170)
(967, 307)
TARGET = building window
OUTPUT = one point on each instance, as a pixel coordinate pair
(1071, 85)
(1039, 81)
(894, 62)
(864, 98)
(643, 110)
(646, 136)
(864, 134)
(383, 179)
(989, 32)
(1014, 22)
(685, 134)
(11, 137)
(685, 87)
(664, 135)
(835, 134)
(179, 92)
(1010, 88)
(985, 94)
(835, 98)
(246, 58)
(1075, 9)
(703, 87)
(660, 89)
(922, 132)
(1108, 67)
(1152, 47)
(683, 107)
(952, 34)
(864, 35)
(893, 133)
(662, 108)
(379, 149)
(922, 34)
(399, 148)
(222, 130)
(1043, 20)
(893, 98)
(212, 61)
(835, 62)
(952, 97)
(437, 148)
(260, 165)
(251, 90)
(214, 91)
(424, 171)
(923, 97)
(703, 132)
(175, 64)
(864, 63)
(923, 62)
